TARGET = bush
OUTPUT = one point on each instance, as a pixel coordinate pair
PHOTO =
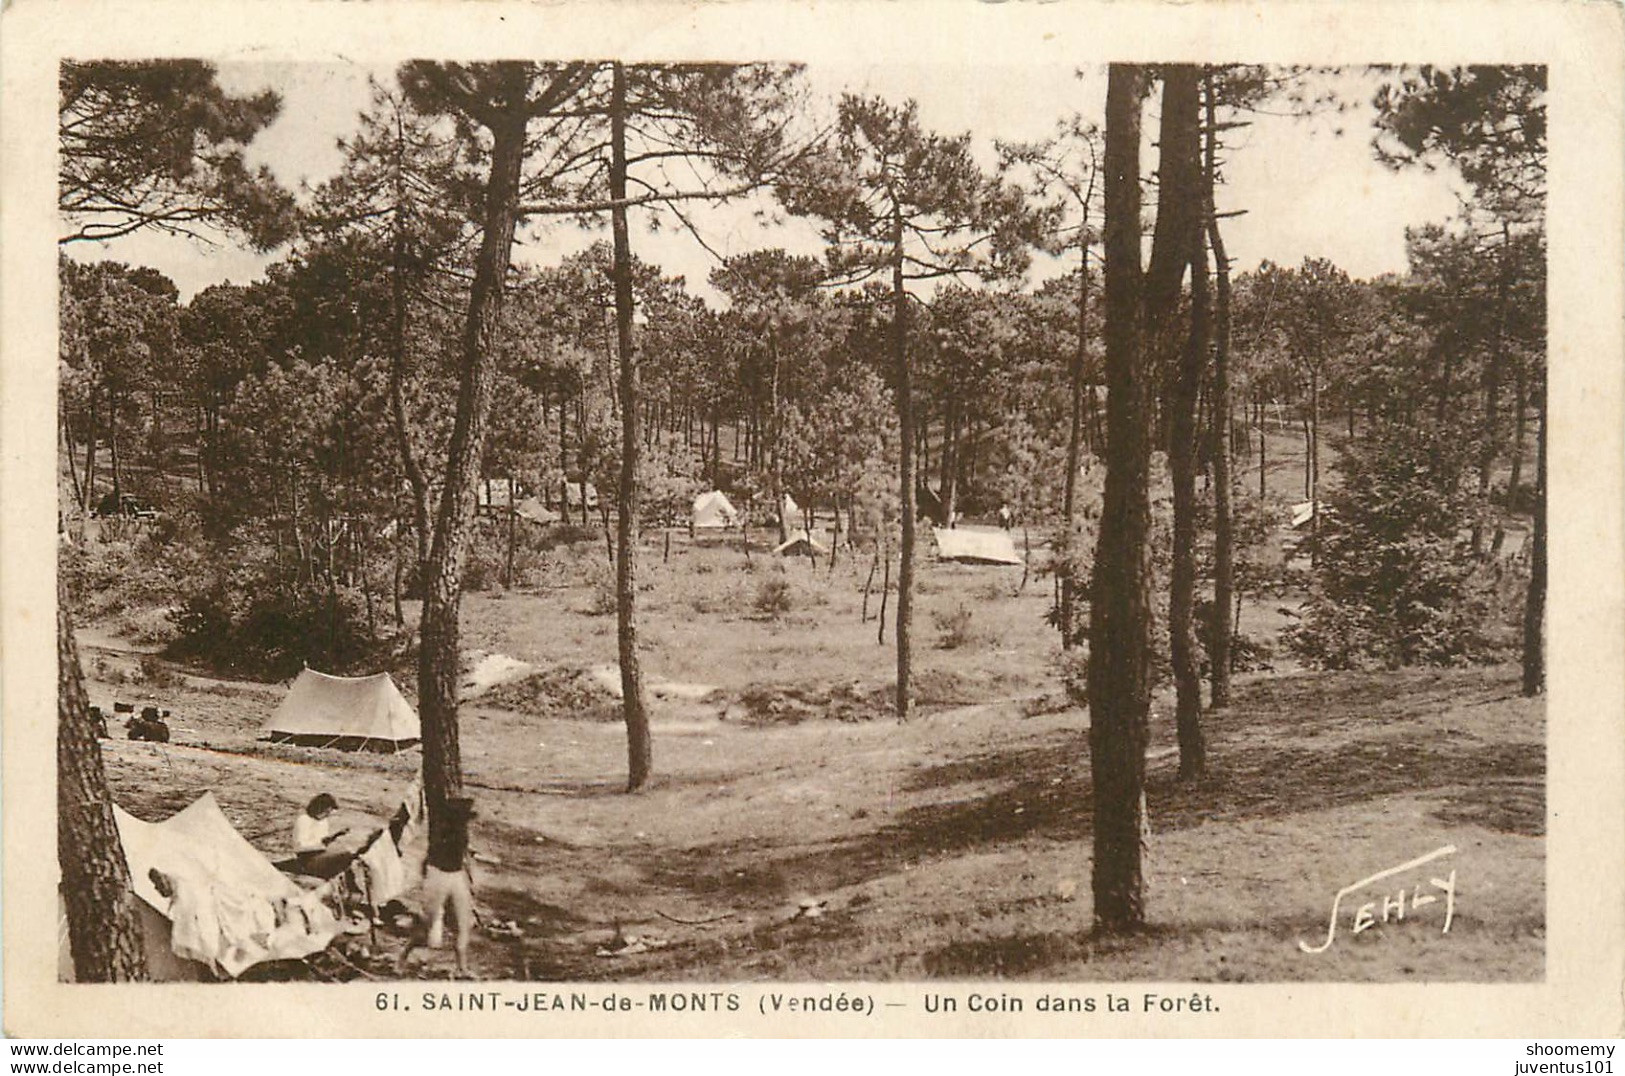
(773, 597)
(954, 628)
(157, 675)
(601, 600)
(1073, 667)
(1249, 653)
(274, 634)
(1396, 584)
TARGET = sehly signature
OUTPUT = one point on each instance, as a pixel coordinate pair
(1393, 907)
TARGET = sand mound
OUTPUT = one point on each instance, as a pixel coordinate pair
(493, 670)
(565, 692)
(793, 703)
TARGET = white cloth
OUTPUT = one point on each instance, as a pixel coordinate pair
(309, 834)
(386, 876)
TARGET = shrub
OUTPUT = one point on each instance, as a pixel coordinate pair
(157, 675)
(601, 599)
(1396, 584)
(954, 628)
(275, 633)
(1073, 667)
(773, 597)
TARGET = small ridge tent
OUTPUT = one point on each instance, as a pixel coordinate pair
(363, 713)
(928, 504)
(800, 544)
(498, 493)
(1304, 511)
(976, 545)
(713, 511)
(575, 491)
(535, 511)
(231, 909)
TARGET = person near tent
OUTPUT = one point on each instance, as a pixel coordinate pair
(447, 885)
(312, 838)
(150, 726)
(1007, 518)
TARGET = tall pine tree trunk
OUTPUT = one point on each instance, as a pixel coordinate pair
(1074, 445)
(1120, 591)
(1180, 154)
(1263, 461)
(1520, 422)
(90, 452)
(1224, 570)
(1182, 446)
(1534, 613)
(438, 656)
(104, 933)
(1313, 464)
(905, 426)
(639, 747)
(1490, 451)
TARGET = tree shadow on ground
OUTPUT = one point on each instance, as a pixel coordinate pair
(1045, 791)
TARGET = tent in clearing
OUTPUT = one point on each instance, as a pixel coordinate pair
(362, 713)
(576, 492)
(535, 511)
(231, 909)
(976, 545)
(800, 544)
(1304, 511)
(713, 511)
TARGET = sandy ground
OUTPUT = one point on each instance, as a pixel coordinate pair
(955, 845)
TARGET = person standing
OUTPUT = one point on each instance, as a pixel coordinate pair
(447, 886)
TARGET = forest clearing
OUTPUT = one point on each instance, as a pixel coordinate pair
(998, 565)
(953, 846)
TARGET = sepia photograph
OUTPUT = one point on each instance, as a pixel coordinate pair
(997, 528)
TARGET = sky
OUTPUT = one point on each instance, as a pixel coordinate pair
(1307, 187)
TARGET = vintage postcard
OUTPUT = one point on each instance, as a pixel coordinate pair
(791, 519)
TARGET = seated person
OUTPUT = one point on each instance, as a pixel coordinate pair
(150, 726)
(311, 840)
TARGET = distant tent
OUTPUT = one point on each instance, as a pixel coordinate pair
(929, 505)
(1304, 511)
(498, 492)
(976, 545)
(534, 510)
(348, 713)
(1513, 541)
(233, 909)
(789, 510)
(574, 491)
(714, 511)
(800, 544)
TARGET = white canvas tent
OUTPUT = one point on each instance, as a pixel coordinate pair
(575, 491)
(713, 511)
(232, 909)
(976, 545)
(800, 544)
(1304, 511)
(497, 492)
(789, 511)
(535, 511)
(349, 713)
